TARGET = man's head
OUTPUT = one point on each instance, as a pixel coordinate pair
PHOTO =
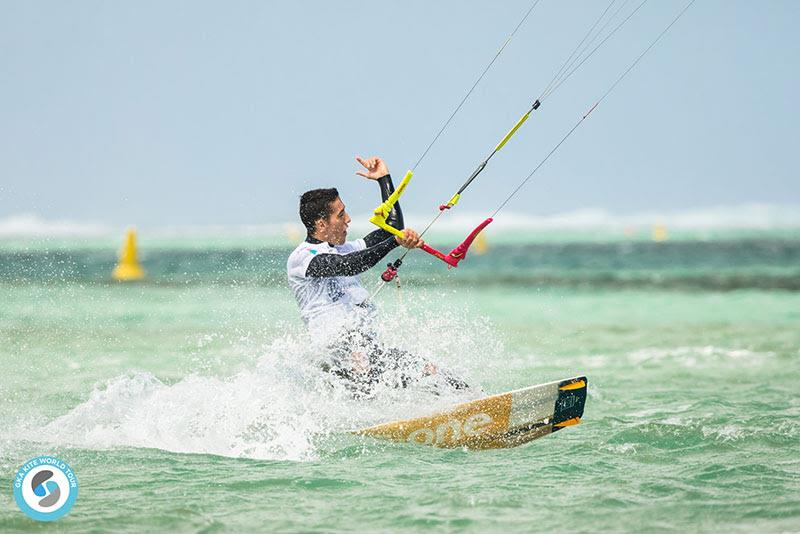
(324, 216)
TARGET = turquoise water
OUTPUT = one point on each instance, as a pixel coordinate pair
(187, 402)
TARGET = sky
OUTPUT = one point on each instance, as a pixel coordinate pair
(197, 112)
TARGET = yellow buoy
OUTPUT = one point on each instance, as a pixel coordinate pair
(128, 268)
(660, 233)
(481, 245)
(293, 233)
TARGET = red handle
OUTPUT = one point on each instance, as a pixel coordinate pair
(433, 252)
(460, 252)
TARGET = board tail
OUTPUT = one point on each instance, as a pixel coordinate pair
(570, 402)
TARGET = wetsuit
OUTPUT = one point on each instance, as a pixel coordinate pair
(324, 277)
(378, 244)
(336, 306)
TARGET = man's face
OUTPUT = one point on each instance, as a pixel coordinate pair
(334, 228)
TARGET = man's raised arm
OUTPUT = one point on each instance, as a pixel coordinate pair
(376, 169)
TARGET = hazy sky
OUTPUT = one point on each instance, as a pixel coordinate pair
(224, 112)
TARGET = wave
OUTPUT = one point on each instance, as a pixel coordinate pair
(32, 225)
(752, 216)
(692, 357)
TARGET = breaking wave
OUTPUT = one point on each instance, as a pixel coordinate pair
(747, 216)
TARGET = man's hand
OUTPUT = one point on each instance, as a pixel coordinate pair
(375, 166)
(410, 239)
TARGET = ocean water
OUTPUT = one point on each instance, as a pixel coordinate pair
(190, 402)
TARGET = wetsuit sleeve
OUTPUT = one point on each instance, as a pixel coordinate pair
(350, 264)
(395, 218)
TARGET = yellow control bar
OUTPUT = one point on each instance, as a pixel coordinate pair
(382, 211)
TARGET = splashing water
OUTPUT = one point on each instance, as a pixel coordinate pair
(284, 407)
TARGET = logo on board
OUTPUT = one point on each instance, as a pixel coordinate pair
(451, 431)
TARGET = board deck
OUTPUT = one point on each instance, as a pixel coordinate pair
(495, 422)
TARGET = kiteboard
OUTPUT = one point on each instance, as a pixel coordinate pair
(495, 422)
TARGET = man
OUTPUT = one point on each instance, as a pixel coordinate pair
(323, 274)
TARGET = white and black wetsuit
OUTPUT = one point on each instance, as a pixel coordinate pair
(324, 277)
(336, 308)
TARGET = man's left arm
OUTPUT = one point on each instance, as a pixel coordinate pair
(395, 218)
(377, 170)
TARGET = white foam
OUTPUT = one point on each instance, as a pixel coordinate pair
(698, 356)
(622, 448)
(31, 225)
(263, 413)
(738, 217)
(284, 408)
(724, 433)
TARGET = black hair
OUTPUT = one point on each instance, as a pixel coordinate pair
(316, 205)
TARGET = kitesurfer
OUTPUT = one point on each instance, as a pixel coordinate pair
(323, 274)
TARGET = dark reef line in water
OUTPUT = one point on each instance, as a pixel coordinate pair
(770, 264)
